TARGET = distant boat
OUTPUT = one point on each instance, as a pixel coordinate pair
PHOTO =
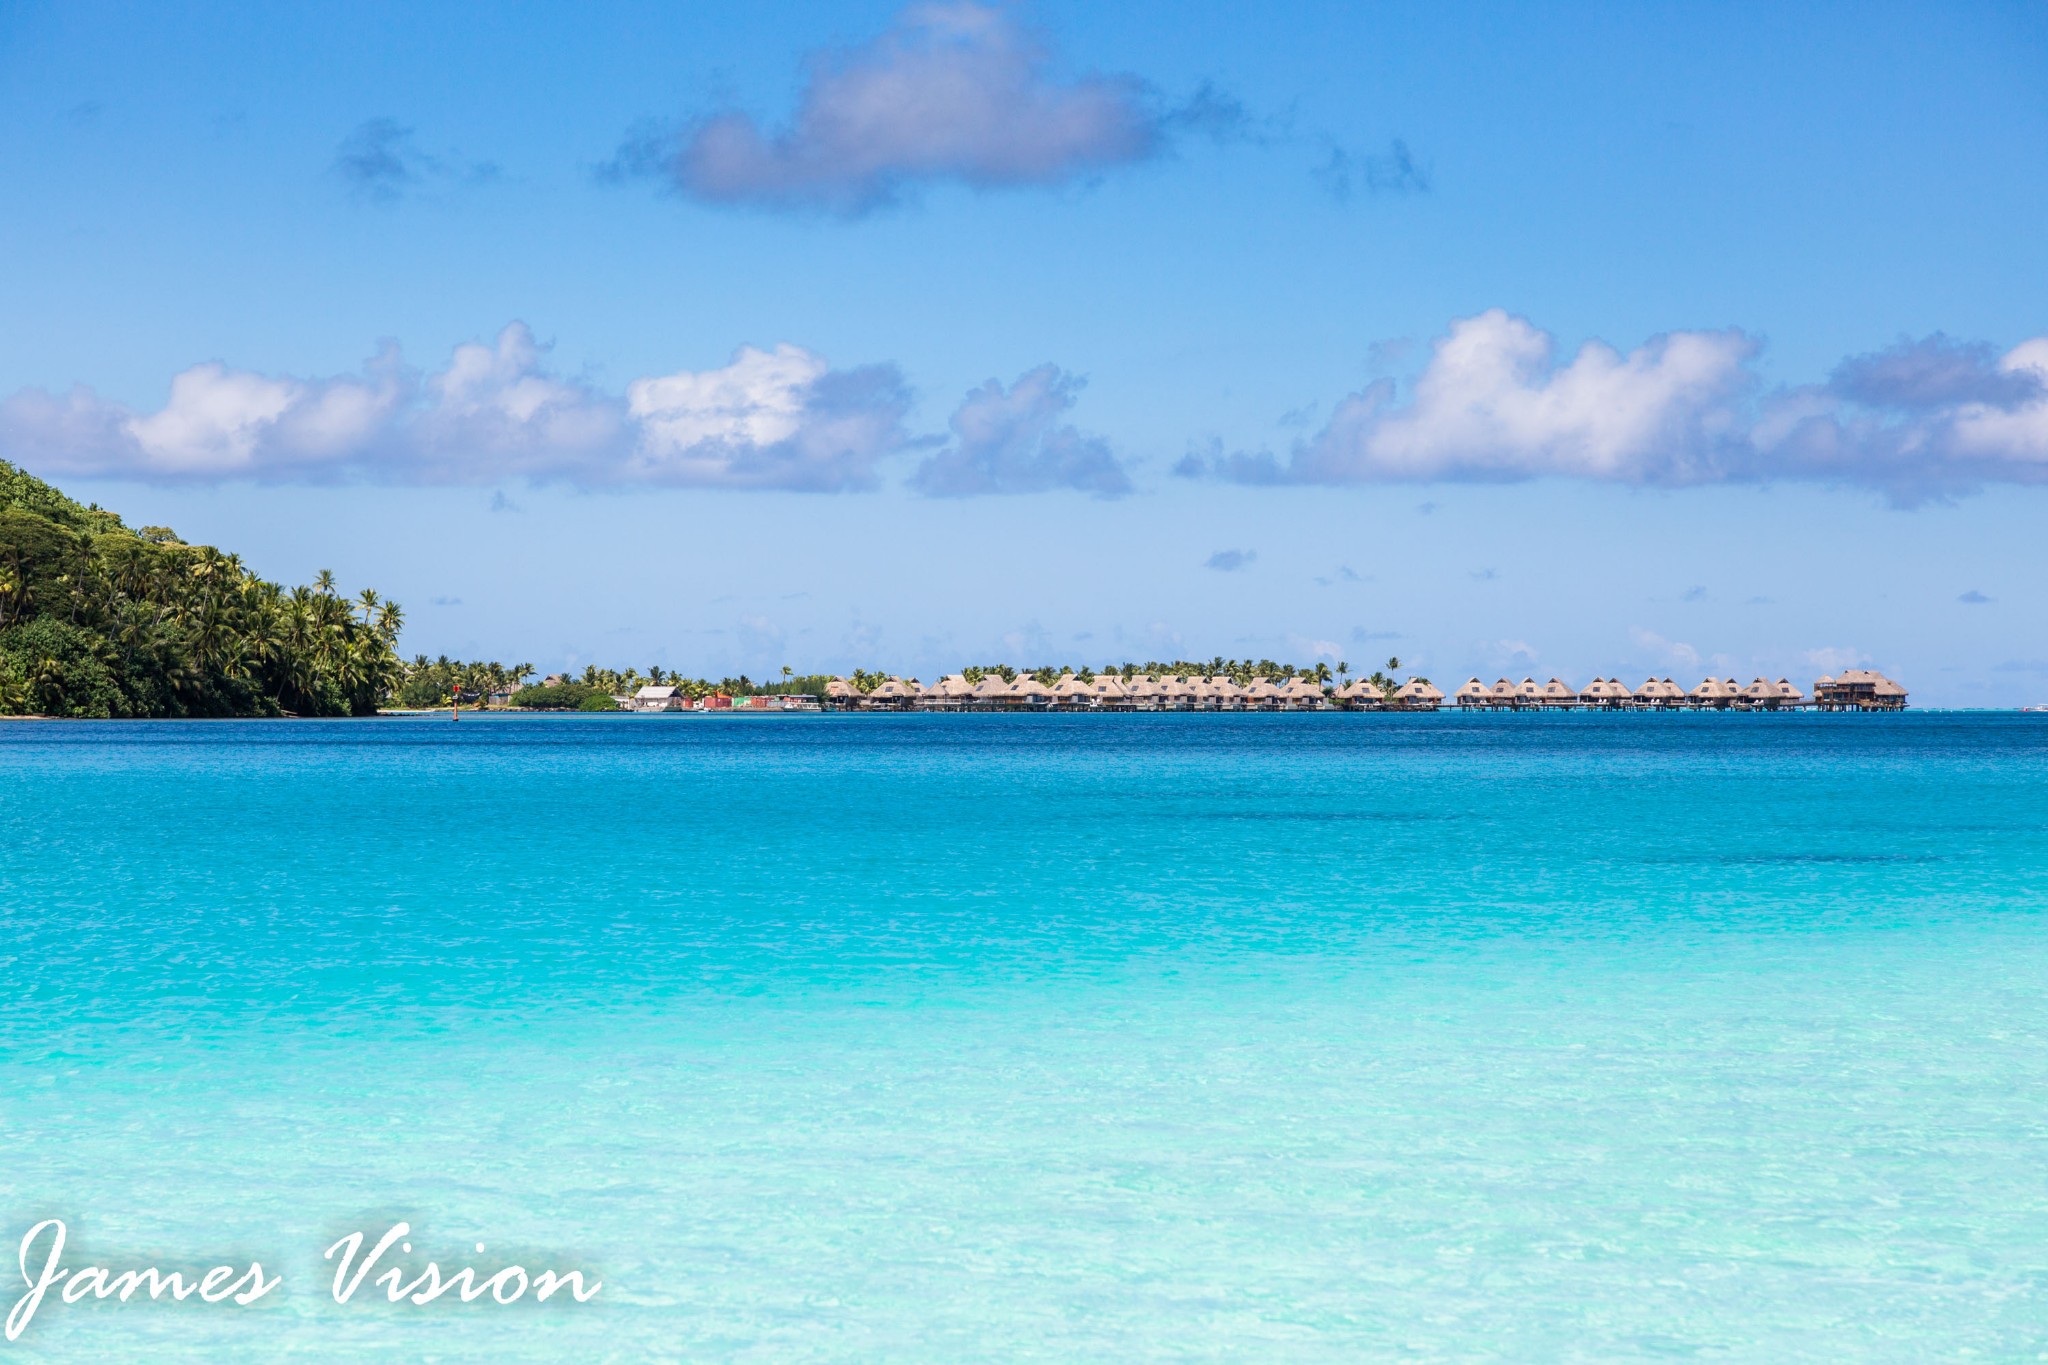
(2034, 708)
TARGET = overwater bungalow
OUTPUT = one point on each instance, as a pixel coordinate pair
(893, 694)
(1418, 694)
(1108, 690)
(1263, 695)
(1714, 693)
(1761, 695)
(949, 693)
(1302, 694)
(1226, 694)
(1604, 692)
(1360, 695)
(1659, 694)
(1859, 689)
(1068, 690)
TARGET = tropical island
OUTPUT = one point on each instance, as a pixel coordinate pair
(102, 621)
(98, 620)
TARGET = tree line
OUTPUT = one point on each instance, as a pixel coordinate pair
(1242, 672)
(99, 620)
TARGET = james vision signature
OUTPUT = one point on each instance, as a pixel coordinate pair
(46, 1277)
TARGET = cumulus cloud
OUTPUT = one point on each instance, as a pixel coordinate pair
(1230, 561)
(1933, 373)
(769, 419)
(951, 92)
(1497, 401)
(1013, 441)
(380, 163)
(1668, 653)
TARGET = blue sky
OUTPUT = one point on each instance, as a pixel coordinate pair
(1554, 340)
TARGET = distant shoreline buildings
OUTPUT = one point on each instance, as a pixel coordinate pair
(1855, 690)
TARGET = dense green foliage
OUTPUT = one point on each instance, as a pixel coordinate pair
(559, 697)
(437, 682)
(98, 620)
(1243, 672)
(613, 682)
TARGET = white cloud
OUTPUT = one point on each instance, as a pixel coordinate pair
(756, 400)
(1835, 658)
(1012, 441)
(1314, 648)
(1667, 653)
(1496, 401)
(950, 92)
(770, 419)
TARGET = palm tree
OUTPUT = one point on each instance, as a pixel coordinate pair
(323, 582)
(367, 599)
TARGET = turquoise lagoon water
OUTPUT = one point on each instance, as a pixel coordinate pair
(963, 1038)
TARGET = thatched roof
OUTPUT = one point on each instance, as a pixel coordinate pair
(1555, 690)
(1418, 689)
(839, 689)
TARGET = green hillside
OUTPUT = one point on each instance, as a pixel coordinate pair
(99, 620)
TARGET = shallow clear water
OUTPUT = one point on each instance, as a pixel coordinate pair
(977, 1037)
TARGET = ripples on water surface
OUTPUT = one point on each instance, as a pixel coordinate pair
(981, 1037)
